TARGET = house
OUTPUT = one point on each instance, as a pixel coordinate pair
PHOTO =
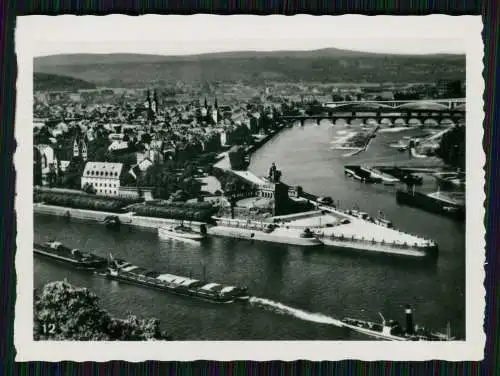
(104, 177)
(48, 161)
(118, 145)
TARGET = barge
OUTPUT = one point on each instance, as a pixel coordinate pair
(57, 252)
(361, 174)
(431, 203)
(123, 271)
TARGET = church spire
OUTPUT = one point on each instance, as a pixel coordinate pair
(76, 149)
(84, 150)
(147, 103)
(154, 105)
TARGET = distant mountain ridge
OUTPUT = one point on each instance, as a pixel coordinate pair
(325, 65)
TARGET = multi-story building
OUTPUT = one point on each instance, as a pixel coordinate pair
(104, 177)
(47, 162)
(450, 89)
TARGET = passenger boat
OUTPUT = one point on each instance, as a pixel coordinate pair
(358, 214)
(181, 232)
(124, 271)
(383, 222)
(391, 330)
(56, 251)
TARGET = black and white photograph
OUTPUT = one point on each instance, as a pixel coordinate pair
(277, 180)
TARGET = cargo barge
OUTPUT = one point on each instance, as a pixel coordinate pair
(123, 271)
(361, 174)
(57, 252)
(431, 203)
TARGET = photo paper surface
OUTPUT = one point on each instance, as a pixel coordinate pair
(244, 187)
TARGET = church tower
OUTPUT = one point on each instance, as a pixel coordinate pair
(154, 104)
(215, 112)
(76, 149)
(84, 150)
(147, 103)
(204, 110)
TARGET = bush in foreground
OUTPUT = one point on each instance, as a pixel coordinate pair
(65, 312)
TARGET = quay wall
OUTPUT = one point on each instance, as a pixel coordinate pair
(293, 217)
(97, 216)
(241, 233)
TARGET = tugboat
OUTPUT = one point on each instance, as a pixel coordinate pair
(124, 271)
(55, 251)
(391, 330)
(182, 232)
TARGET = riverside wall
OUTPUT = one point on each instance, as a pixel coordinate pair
(98, 216)
(283, 237)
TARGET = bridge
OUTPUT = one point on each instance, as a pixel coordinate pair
(403, 104)
(451, 110)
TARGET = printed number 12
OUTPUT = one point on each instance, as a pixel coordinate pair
(49, 328)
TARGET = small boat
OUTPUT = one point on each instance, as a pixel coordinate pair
(56, 251)
(307, 233)
(383, 222)
(359, 214)
(182, 232)
(391, 330)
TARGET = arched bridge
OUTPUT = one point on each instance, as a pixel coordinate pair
(404, 104)
(380, 111)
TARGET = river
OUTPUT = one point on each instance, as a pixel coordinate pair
(298, 293)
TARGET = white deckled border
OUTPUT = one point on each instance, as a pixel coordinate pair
(34, 36)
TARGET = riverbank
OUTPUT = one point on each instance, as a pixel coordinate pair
(356, 142)
(98, 216)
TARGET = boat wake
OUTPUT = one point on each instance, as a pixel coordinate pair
(298, 313)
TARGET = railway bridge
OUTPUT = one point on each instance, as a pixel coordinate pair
(388, 111)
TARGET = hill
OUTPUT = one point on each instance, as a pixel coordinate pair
(325, 65)
(53, 82)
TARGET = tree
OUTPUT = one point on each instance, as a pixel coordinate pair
(146, 138)
(452, 147)
(73, 175)
(65, 312)
(89, 188)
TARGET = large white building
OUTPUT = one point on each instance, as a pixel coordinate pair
(104, 177)
(48, 161)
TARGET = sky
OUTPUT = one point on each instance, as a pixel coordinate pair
(181, 35)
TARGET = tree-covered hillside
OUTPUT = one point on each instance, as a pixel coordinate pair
(54, 82)
(327, 65)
